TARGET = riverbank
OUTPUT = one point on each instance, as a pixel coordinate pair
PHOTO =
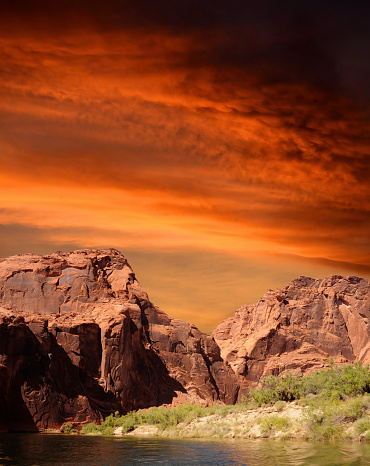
(331, 404)
(349, 420)
(308, 419)
(240, 423)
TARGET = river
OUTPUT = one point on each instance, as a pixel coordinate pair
(42, 449)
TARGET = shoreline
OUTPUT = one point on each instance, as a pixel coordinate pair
(290, 423)
(242, 424)
(296, 420)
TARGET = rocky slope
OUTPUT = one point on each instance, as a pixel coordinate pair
(80, 339)
(298, 328)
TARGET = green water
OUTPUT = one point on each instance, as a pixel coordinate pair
(39, 449)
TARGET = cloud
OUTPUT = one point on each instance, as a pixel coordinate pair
(189, 125)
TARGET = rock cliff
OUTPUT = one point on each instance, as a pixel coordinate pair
(80, 339)
(298, 328)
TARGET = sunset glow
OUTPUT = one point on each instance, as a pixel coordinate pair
(223, 152)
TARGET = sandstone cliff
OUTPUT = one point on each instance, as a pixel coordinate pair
(80, 339)
(298, 328)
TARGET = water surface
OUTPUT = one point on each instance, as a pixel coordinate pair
(42, 449)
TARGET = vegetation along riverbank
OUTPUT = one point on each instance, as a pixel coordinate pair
(324, 405)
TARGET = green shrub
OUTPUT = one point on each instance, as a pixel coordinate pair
(352, 409)
(327, 418)
(280, 388)
(68, 428)
(335, 383)
(362, 425)
(127, 422)
(90, 428)
(273, 423)
(326, 432)
(280, 405)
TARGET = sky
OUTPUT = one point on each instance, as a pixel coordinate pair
(222, 147)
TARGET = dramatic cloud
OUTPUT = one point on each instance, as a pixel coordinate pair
(233, 130)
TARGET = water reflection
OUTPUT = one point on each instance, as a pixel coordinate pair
(38, 449)
(269, 452)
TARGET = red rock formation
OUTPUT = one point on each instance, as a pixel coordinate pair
(80, 339)
(298, 328)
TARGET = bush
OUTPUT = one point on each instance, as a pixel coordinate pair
(362, 425)
(326, 432)
(327, 419)
(335, 383)
(351, 409)
(68, 428)
(339, 382)
(90, 428)
(273, 423)
(280, 405)
(277, 388)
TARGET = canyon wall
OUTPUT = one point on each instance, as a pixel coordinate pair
(298, 328)
(79, 339)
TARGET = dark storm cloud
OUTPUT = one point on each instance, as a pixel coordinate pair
(283, 41)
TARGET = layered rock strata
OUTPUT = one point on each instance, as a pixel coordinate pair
(79, 339)
(298, 328)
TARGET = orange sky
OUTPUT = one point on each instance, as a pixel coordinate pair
(223, 152)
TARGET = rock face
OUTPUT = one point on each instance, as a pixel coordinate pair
(298, 328)
(80, 339)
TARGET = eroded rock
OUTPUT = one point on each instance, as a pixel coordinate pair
(298, 328)
(79, 339)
